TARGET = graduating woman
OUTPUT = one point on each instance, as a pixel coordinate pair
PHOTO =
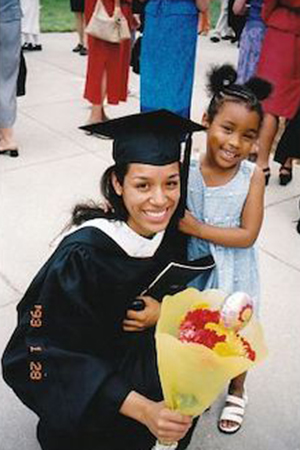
(80, 357)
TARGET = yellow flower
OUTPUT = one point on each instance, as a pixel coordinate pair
(233, 346)
(200, 306)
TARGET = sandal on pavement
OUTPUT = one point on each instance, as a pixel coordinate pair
(285, 175)
(233, 412)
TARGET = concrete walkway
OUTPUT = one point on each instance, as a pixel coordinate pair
(59, 166)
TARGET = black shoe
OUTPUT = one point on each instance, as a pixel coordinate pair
(285, 175)
(12, 153)
(83, 51)
(37, 48)
(215, 39)
(77, 48)
(267, 174)
(27, 46)
(227, 37)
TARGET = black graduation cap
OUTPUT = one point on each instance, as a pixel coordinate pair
(150, 138)
(147, 138)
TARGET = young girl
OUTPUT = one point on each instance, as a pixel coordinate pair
(225, 200)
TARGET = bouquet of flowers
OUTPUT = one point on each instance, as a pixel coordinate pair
(202, 342)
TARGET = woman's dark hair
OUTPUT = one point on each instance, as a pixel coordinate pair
(91, 210)
(223, 88)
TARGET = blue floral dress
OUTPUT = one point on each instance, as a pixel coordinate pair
(222, 206)
(251, 42)
(168, 55)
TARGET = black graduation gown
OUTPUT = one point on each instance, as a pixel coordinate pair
(69, 359)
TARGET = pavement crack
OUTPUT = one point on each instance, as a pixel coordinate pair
(279, 202)
(285, 263)
(8, 283)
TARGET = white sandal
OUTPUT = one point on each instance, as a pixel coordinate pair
(234, 413)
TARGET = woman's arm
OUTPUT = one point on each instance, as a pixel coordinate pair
(202, 5)
(166, 425)
(240, 7)
(243, 236)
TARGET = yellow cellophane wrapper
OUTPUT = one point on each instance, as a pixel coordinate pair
(192, 375)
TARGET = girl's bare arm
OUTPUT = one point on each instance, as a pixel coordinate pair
(243, 236)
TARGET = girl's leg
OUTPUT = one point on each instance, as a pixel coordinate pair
(237, 385)
(237, 390)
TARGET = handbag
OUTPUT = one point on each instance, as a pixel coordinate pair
(108, 28)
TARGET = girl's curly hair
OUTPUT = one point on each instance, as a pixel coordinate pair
(222, 87)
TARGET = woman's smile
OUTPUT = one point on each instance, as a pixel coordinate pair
(151, 195)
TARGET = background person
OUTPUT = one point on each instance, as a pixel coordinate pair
(250, 45)
(10, 49)
(168, 54)
(279, 63)
(108, 64)
(77, 7)
(31, 25)
(222, 29)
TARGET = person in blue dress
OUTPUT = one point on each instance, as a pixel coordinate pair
(168, 54)
(251, 39)
(225, 203)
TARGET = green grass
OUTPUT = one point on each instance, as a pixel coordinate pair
(214, 11)
(56, 15)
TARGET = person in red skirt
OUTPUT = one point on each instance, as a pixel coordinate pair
(108, 64)
(279, 64)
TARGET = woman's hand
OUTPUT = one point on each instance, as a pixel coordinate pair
(240, 7)
(190, 225)
(140, 320)
(117, 12)
(137, 21)
(166, 425)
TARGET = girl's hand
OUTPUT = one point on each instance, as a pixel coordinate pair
(140, 320)
(190, 225)
(168, 426)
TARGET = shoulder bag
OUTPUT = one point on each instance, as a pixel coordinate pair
(113, 28)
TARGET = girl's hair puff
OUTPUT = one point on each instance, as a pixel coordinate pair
(223, 88)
